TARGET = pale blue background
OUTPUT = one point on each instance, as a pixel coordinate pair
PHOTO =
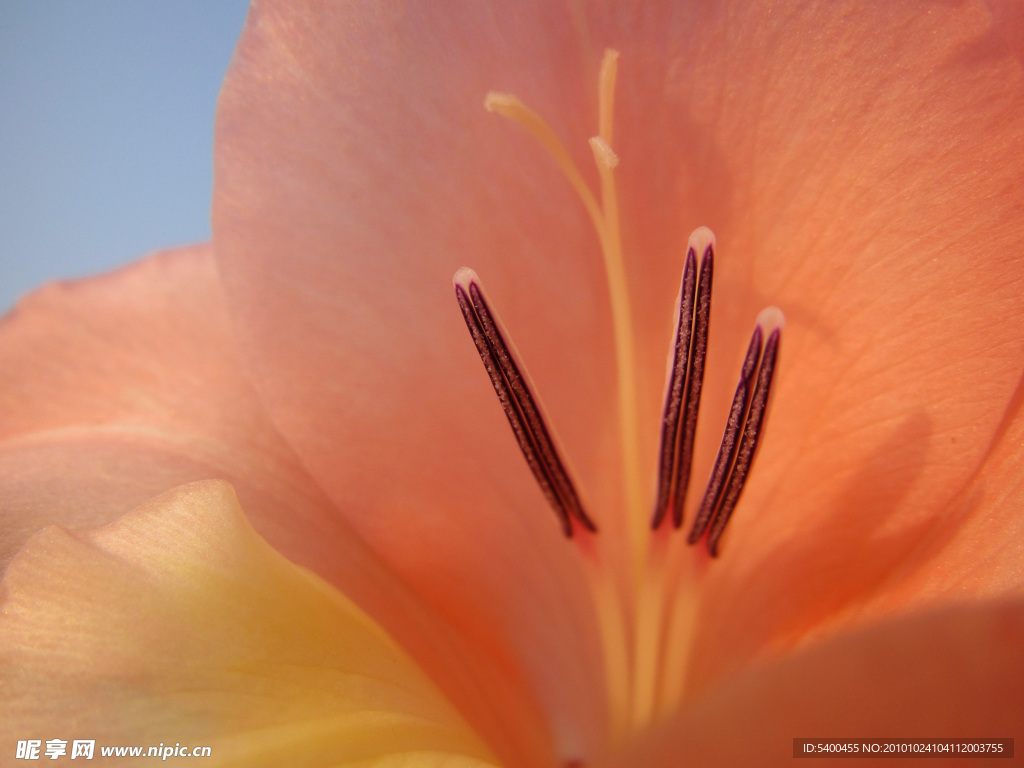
(106, 130)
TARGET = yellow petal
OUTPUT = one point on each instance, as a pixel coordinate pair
(179, 624)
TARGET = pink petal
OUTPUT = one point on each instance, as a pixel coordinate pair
(119, 387)
(115, 389)
(356, 341)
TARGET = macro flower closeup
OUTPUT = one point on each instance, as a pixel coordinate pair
(260, 495)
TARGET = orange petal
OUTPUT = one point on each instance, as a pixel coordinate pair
(333, 207)
(115, 389)
(878, 203)
(860, 168)
(954, 674)
(179, 625)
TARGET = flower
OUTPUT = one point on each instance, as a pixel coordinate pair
(861, 169)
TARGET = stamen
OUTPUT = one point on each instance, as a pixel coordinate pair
(742, 432)
(748, 447)
(682, 400)
(733, 432)
(514, 391)
(670, 422)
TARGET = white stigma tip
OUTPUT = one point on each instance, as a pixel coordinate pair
(495, 101)
(771, 319)
(603, 153)
(701, 238)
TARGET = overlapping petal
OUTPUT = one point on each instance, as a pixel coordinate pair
(117, 388)
(189, 629)
(953, 674)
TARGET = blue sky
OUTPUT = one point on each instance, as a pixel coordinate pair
(106, 131)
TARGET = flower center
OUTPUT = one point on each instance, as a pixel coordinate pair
(645, 615)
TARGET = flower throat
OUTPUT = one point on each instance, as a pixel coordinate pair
(639, 614)
(679, 421)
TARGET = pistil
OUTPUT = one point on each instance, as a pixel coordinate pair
(605, 218)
